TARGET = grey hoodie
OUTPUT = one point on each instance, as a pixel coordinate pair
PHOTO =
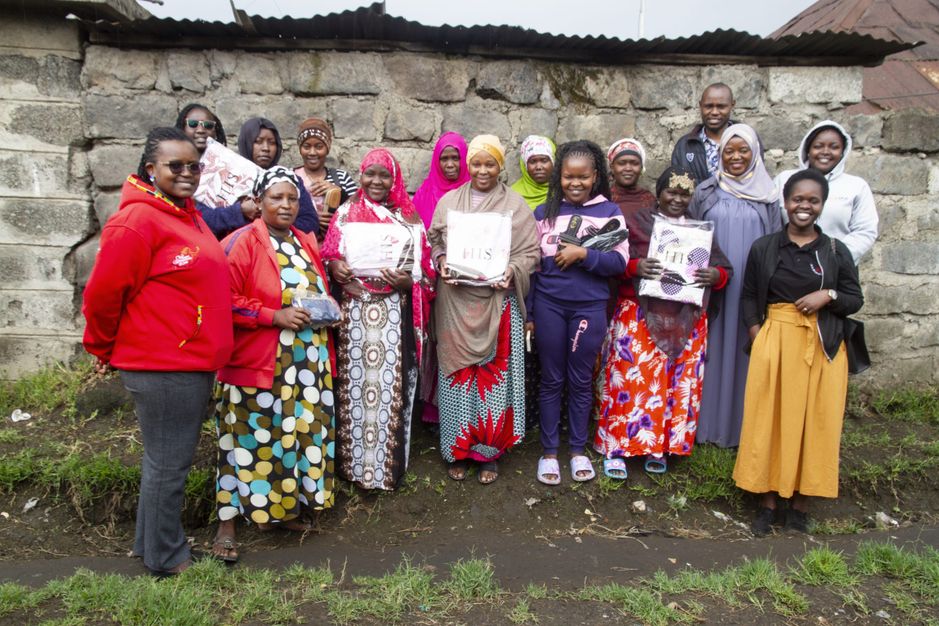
(849, 214)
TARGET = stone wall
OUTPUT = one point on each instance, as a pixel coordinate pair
(72, 141)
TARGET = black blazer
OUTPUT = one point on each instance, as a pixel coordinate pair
(840, 274)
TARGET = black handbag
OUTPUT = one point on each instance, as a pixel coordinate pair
(855, 345)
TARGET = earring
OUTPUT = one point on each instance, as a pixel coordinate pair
(152, 178)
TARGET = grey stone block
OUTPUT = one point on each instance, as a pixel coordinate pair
(601, 128)
(884, 333)
(816, 85)
(258, 74)
(51, 76)
(779, 129)
(111, 164)
(405, 123)
(43, 221)
(32, 267)
(114, 69)
(476, 118)
(533, 121)
(892, 174)
(865, 130)
(513, 81)
(285, 112)
(914, 297)
(607, 87)
(429, 79)
(664, 87)
(912, 257)
(79, 263)
(127, 117)
(21, 355)
(105, 205)
(355, 119)
(34, 174)
(38, 309)
(911, 130)
(321, 73)
(52, 123)
(188, 70)
(747, 83)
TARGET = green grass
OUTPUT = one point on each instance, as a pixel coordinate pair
(643, 604)
(920, 405)
(52, 388)
(705, 476)
(521, 613)
(473, 579)
(823, 566)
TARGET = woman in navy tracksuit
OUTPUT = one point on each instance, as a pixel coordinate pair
(583, 243)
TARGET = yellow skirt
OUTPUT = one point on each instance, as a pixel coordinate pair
(793, 409)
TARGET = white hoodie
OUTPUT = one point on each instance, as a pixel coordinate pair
(849, 214)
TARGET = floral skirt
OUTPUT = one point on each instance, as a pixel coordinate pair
(482, 407)
(649, 403)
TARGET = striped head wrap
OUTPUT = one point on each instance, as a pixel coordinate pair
(315, 127)
(277, 174)
(627, 145)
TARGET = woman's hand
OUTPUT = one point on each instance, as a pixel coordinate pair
(810, 303)
(341, 272)
(649, 268)
(707, 276)
(753, 331)
(320, 187)
(506, 281)
(250, 209)
(442, 271)
(291, 318)
(325, 219)
(568, 254)
(102, 368)
(398, 279)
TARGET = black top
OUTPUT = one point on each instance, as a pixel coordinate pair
(799, 273)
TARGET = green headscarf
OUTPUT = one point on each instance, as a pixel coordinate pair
(534, 194)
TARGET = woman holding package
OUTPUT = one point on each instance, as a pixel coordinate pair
(157, 308)
(654, 371)
(742, 201)
(328, 187)
(275, 417)
(382, 336)
(850, 215)
(479, 329)
(799, 286)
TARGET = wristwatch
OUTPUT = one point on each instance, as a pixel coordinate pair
(832, 294)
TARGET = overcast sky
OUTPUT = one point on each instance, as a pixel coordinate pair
(613, 18)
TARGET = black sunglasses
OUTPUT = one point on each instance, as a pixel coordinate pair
(177, 167)
(206, 124)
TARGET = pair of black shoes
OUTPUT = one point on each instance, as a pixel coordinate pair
(766, 518)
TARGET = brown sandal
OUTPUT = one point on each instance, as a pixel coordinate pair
(228, 545)
(493, 468)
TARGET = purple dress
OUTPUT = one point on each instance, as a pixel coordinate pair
(737, 224)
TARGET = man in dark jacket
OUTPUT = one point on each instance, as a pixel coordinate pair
(699, 149)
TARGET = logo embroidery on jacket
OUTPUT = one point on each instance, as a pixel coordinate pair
(186, 256)
(689, 156)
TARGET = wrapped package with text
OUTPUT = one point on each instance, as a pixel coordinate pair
(478, 246)
(371, 248)
(682, 246)
(226, 176)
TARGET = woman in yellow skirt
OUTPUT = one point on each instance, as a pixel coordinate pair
(798, 287)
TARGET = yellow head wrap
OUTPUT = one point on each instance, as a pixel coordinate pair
(489, 144)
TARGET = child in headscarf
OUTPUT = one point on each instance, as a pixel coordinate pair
(536, 161)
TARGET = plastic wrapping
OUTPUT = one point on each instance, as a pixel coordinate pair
(683, 246)
(323, 309)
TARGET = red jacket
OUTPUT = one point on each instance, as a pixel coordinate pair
(255, 296)
(158, 296)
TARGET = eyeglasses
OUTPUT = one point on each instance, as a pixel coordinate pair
(206, 124)
(177, 167)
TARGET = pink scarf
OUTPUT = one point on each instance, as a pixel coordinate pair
(436, 184)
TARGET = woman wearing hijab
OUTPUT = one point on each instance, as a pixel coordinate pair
(850, 214)
(259, 142)
(536, 161)
(328, 187)
(447, 172)
(275, 417)
(479, 330)
(627, 160)
(383, 333)
(742, 201)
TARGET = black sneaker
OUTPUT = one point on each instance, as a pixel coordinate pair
(763, 523)
(797, 521)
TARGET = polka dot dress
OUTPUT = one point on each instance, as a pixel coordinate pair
(277, 445)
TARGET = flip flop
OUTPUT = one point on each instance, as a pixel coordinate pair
(615, 468)
(549, 467)
(457, 470)
(228, 544)
(581, 463)
(656, 464)
(491, 467)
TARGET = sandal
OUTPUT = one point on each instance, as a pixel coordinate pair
(615, 468)
(457, 470)
(490, 466)
(549, 467)
(227, 545)
(656, 464)
(581, 463)
(293, 525)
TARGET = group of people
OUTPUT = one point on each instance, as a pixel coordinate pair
(567, 330)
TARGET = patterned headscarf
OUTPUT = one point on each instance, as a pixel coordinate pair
(489, 144)
(397, 195)
(436, 184)
(534, 193)
(315, 127)
(277, 174)
(627, 145)
(755, 183)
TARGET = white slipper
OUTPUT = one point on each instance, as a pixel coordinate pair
(547, 467)
(581, 463)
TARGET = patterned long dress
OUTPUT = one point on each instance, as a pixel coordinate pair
(485, 403)
(277, 445)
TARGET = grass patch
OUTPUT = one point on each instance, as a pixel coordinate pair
(55, 387)
(916, 572)
(823, 566)
(706, 476)
(473, 579)
(521, 613)
(643, 604)
(912, 404)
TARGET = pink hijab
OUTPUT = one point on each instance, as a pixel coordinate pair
(436, 184)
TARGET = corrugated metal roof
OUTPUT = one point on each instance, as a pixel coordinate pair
(906, 79)
(371, 28)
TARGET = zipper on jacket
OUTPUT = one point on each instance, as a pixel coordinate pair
(821, 286)
(198, 327)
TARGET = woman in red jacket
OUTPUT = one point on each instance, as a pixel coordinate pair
(157, 309)
(276, 413)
